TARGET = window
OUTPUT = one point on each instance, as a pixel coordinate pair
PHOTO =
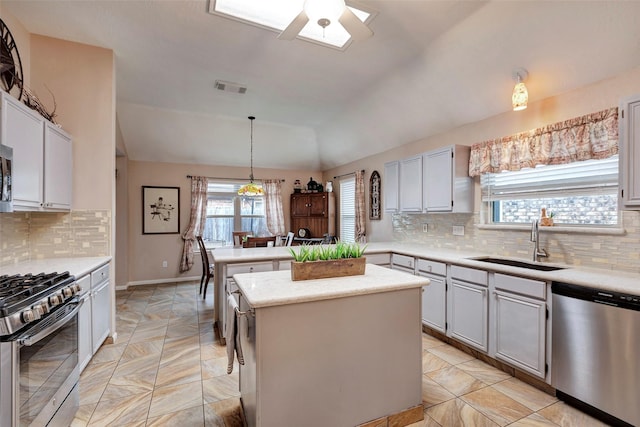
(278, 14)
(580, 193)
(348, 209)
(228, 212)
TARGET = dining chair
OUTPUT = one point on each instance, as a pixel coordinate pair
(207, 267)
(259, 242)
(289, 240)
(238, 237)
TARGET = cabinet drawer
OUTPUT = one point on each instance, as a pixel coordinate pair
(378, 259)
(284, 265)
(85, 284)
(433, 267)
(469, 274)
(255, 267)
(100, 275)
(403, 261)
(520, 285)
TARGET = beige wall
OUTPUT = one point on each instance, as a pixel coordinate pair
(147, 252)
(589, 99)
(82, 79)
(23, 44)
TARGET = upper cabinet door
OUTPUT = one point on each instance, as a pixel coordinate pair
(58, 168)
(438, 180)
(318, 204)
(411, 184)
(390, 182)
(23, 131)
(629, 163)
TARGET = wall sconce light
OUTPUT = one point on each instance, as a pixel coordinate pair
(520, 96)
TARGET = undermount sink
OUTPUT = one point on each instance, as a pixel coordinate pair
(518, 263)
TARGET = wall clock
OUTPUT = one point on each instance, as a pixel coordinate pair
(374, 195)
(11, 79)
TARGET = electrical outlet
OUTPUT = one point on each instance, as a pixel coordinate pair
(425, 228)
(165, 264)
(458, 230)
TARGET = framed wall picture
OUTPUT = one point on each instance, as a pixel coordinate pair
(160, 210)
(374, 196)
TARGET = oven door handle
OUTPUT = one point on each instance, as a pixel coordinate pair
(32, 339)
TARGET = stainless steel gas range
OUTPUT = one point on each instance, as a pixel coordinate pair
(38, 350)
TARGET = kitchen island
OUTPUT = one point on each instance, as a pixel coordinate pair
(340, 351)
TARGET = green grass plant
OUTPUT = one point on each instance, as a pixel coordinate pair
(327, 252)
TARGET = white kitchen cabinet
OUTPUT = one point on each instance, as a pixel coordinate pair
(383, 259)
(23, 130)
(230, 286)
(94, 318)
(410, 184)
(447, 186)
(101, 306)
(629, 160)
(42, 158)
(85, 347)
(434, 296)
(519, 323)
(390, 186)
(468, 307)
(58, 168)
(403, 263)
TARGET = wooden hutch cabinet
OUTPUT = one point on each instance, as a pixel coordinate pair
(315, 212)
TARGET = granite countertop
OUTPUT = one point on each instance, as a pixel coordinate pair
(76, 266)
(579, 275)
(275, 288)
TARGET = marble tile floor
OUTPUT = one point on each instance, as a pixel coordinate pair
(167, 370)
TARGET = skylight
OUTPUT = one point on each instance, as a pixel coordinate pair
(278, 14)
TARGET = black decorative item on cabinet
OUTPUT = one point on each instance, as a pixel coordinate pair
(375, 185)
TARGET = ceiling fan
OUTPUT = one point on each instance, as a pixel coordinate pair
(325, 13)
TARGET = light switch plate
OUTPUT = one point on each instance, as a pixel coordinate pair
(458, 230)
(425, 228)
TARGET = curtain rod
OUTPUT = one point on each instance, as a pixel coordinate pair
(230, 179)
(346, 174)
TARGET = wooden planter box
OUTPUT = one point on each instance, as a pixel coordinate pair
(325, 269)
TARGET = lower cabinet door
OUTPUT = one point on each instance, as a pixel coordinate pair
(434, 303)
(468, 314)
(84, 333)
(521, 332)
(101, 307)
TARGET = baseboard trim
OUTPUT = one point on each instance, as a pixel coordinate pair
(158, 282)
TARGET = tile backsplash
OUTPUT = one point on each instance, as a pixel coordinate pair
(35, 235)
(606, 251)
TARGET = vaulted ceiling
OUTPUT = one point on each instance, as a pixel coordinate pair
(430, 66)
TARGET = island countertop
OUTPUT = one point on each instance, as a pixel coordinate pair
(273, 288)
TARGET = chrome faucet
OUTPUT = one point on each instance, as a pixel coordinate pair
(535, 237)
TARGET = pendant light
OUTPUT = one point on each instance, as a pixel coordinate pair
(251, 189)
(520, 96)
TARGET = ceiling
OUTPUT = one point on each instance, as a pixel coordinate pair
(430, 66)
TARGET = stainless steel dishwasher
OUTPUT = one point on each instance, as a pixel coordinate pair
(596, 352)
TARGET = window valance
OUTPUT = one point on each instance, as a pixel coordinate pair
(594, 136)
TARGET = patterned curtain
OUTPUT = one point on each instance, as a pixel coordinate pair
(594, 136)
(273, 206)
(197, 218)
(361, 208)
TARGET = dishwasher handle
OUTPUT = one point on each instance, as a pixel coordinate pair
(597, 296)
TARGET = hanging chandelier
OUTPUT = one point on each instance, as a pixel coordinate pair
(251, 189)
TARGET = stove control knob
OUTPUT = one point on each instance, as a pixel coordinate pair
(77, 288)
(55, 299)
(28, 316)
(44, 307)
(37, 311)
(68, 292)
